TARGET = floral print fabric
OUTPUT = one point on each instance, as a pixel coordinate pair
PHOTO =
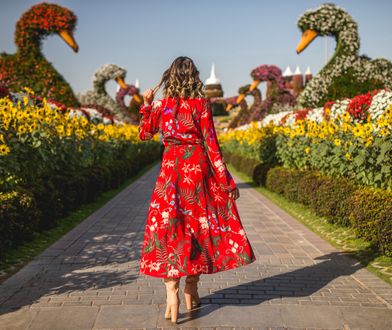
(193, 226)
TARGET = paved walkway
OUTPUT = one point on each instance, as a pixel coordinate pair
(89, 278)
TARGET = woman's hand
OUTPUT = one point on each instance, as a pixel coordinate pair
(148, 96)
(234, 193)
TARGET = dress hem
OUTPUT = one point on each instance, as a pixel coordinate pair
(218, 271)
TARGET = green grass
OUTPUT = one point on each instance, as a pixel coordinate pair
(342, 238)
(17, 258)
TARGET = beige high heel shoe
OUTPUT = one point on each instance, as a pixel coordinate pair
(192, 298)
(172, 299)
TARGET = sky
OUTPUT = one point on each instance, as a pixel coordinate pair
(145, 36)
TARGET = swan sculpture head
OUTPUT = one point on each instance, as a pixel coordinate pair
(264, 73)
(109, 72)
(328, 20)
(41, 21)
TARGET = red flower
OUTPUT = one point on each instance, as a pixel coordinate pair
(359, 106)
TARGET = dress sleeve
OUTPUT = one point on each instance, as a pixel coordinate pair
(149, 120)
(213, 150)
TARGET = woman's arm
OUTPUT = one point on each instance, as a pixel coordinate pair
(149, 120)
(213, 150)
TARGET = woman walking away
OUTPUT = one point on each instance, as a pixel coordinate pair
(193, 226)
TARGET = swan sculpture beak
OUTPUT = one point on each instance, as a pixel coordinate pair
(121, 82)
(69, 40)
(228, 107)
(240, 98)
(307, 38)
(137, 98)
(254, 85)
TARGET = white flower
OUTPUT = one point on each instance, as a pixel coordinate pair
(219, 164)
(204, 223)
(154, 266)
(173, 272)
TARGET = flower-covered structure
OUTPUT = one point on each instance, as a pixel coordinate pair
(276, 92)
(130, 111)
(229, 102)
(99, 96)
(28, 66)
(350, 137)
(346, 74)
(243, 115)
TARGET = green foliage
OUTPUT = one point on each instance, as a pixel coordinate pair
(371, 216)
(348, 86)
(267, 150)
(18, 218)
(39, 205)
(332, 199)
(370, 165)
(341, 201)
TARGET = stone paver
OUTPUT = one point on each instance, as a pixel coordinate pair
(89, 278)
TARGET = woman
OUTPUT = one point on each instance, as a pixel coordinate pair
(193, 226)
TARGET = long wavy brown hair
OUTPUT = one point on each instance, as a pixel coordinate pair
(182, 79)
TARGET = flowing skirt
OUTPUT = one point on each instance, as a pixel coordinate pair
(192, 225)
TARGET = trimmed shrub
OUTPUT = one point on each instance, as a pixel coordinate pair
(48, 201)
(277, 179)
(307, 187)
(19, 218)
(340, 200)
(371, 216)
(332, 200)
(39, 205)
(291, 186)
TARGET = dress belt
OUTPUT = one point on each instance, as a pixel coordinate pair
(183, 143)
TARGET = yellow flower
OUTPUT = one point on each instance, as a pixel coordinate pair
(307, 150)
(22, 129)
(28, 90)
(103, 138)
(348, 156)
(346, 117)
(100, 126)
(332, 128)
(357, 130)
(368, 128)
(369, 141)
(384, 132)
(338, 142)
(4, 149)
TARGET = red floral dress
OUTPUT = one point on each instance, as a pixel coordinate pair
(193, 226)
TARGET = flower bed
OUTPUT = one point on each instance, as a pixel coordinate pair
(348, 138)
(335, 160)
(50, 163)
(340, 200)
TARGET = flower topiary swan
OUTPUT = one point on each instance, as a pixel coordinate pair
(132, 110)
(277, 93)
(99, 96)
(346, 68)
(28, 67)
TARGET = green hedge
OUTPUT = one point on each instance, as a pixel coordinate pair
(19, 216)
(252, 167)
(41, 205)
(341, 201)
